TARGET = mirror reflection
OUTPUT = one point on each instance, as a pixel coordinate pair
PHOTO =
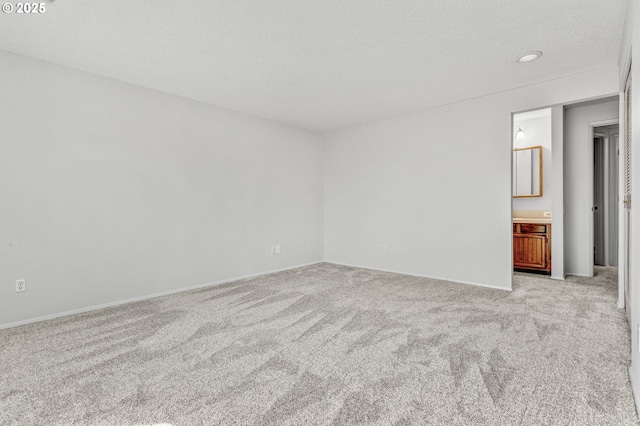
(527, 172)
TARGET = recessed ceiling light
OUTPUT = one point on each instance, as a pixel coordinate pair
(529, 56)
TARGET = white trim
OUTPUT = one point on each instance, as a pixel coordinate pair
(634, 389)
(558, 278)
(621, 211)
(148, 296)
(589, 260)
(605, 123)
(580, 275)
(557, 193)
(511, 147)
(557, 188)
(606, 204)
(606, 207)
(591, 177)
(411, 274)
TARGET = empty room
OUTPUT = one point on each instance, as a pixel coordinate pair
(319, 212)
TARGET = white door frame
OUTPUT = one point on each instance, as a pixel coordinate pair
(590, 172)
(605, 195)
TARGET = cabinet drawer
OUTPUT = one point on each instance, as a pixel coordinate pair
(533, 228)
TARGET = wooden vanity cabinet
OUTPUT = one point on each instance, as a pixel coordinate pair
(532, 247)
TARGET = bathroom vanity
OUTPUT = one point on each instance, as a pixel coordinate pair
(532, 245)
(531, 228)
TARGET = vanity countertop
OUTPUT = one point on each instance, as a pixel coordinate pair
(531, 220)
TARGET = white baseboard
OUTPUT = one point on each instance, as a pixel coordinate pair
(148, 296)
(634, 390)
(419, 275)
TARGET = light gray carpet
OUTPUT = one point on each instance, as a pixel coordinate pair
(329, 344)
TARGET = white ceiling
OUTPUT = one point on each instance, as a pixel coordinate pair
(322, 64)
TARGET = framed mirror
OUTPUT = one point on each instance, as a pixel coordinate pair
(527, 172)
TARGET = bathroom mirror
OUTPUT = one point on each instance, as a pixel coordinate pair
(527, 172)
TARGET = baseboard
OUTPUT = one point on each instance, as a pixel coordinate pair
(634, 390)
(420, 275)
(148, 296)
(578, 275)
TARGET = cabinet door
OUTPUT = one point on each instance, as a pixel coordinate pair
(530, 251)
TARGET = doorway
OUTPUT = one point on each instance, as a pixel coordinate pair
(605, 195)
(532, 192)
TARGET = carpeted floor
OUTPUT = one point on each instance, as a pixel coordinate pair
(328, 344)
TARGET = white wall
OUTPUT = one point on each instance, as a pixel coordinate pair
(435, 186)
(537, 133)
(631, 52)
(578, 183)
(111, 191)
(557, 204)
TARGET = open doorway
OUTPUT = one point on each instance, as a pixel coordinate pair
(580, 123)
(605, 195)
(532, 191)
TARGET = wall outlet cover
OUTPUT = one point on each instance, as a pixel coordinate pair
(547, 214)
(21, 285)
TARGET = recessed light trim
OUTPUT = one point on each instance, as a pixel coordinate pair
(529, 56)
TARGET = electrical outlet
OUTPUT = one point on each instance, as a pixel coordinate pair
(21, 285)
(546, 214)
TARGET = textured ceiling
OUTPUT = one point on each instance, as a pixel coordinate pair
(322, 64)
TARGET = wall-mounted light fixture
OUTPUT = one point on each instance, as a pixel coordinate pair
(519, 133)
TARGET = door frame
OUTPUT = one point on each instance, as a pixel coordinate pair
(605, 195)
(591, 177)
(557, 188)
(624, 231)
(611, 196)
